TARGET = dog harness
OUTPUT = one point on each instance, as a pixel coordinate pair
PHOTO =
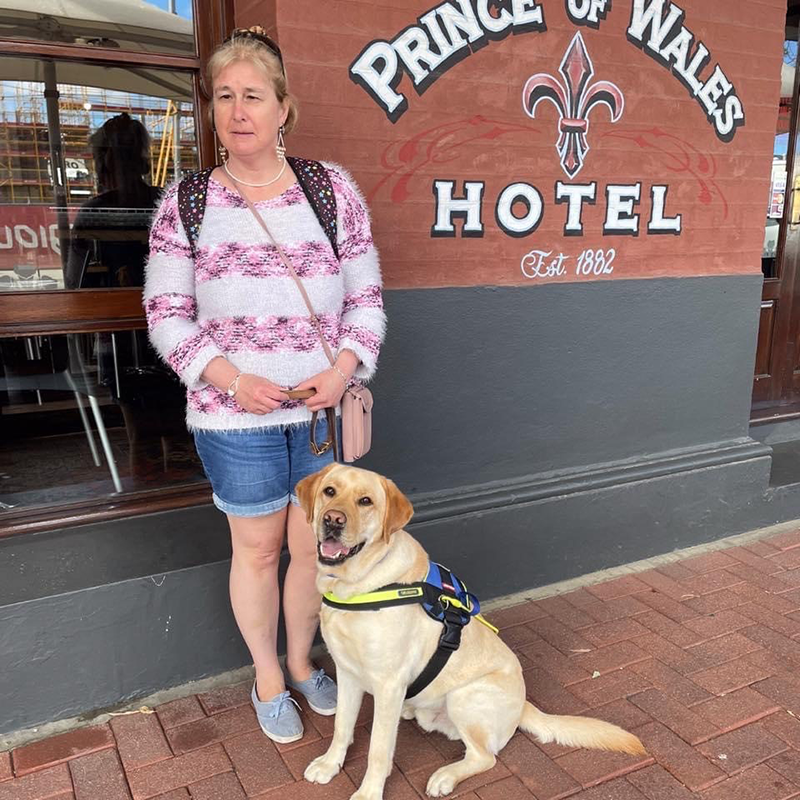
(443, 596)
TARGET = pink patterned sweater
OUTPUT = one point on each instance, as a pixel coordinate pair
(236, 299)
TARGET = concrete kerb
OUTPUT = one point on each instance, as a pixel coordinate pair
(146, 704)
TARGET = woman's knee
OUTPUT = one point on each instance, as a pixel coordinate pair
(258, 542)
(262, 557)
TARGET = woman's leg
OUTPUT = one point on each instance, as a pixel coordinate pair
(257, 543)
(301, 601)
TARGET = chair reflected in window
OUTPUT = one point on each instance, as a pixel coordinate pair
(75, 425)
(56, 364)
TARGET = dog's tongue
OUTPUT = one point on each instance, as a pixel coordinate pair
(331, 548)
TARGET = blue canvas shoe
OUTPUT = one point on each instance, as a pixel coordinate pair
(319, 691)
(278, 717)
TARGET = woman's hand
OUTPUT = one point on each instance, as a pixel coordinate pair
(258, 395)
(329, 386)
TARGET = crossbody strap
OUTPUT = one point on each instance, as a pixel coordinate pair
(292, 272)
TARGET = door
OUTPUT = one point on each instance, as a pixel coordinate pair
(776, 389)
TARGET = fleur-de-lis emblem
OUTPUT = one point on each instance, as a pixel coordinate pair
(574, 99)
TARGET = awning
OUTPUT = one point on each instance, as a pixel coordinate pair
(130, 24)
(127, 24)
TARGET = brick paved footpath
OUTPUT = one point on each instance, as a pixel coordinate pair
(700, 658)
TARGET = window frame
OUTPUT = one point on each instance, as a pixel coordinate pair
(75, 311)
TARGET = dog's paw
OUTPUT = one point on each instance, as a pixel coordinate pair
(442, 782)
(321, 770)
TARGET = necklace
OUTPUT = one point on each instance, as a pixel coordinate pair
(255, 185)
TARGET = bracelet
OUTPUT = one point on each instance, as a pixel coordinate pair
(233, 386)
(344, 377)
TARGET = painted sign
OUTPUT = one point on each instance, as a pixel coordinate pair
(451, 31)
(504, 142)
(574, 98)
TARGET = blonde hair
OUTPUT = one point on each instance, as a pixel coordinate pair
(241, 48)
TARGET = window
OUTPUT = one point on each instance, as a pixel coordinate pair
(779, 190)
(115, 138)
(97, 115)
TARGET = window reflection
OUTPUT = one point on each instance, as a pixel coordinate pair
(116, 138)
(85, 152)
(158, 26)
(88, 415)
(779, 191)
(108, 242)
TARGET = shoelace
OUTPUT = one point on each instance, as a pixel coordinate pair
(320, 679)
(280, 702)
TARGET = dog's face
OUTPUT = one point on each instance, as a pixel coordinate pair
(350, 509)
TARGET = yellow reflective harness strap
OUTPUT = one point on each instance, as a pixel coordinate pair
(376, 597)
(403, 593)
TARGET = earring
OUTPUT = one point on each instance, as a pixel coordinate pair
(223, 153)
(281, 147)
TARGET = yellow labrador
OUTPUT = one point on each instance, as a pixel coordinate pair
(479, 696)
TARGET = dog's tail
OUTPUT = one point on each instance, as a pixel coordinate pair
(578, 732)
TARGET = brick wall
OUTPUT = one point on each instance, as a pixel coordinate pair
(470, 125)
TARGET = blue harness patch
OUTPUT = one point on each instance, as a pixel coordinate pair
(446, 587)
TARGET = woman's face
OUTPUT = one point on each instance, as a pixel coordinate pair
(247, 113)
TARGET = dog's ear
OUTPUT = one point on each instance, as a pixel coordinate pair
(306, 491)
(398, 509)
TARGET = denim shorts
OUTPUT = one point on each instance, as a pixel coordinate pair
(254, 473)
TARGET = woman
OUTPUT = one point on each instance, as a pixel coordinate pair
(232, 323)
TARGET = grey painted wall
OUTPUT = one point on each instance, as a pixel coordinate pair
(108, 642)
(542, 432)
(491, 383)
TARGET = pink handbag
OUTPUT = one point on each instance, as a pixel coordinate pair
(356, 422)
(356, 401)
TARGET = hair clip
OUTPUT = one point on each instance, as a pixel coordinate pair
(260, 35)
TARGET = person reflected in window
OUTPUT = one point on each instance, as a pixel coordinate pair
(109, 242)
(108, 249)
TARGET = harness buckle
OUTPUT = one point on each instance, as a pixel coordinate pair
(451, 636)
